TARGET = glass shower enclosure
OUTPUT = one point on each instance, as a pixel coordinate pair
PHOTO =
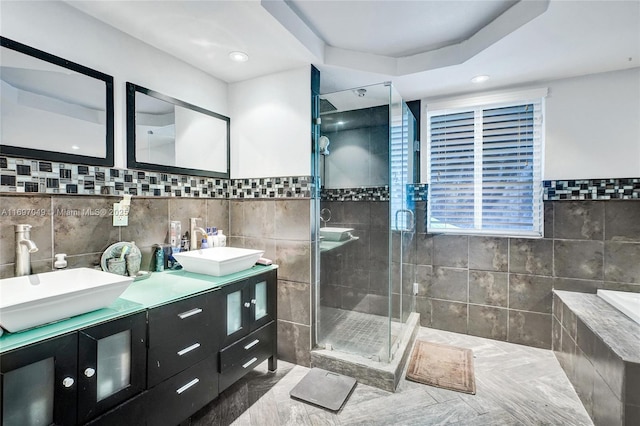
(364, 166)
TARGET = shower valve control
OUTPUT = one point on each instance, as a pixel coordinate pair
(415, 289)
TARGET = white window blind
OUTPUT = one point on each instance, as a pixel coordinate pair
(485, 169)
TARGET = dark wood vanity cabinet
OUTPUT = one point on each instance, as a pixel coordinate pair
(250, 334)
(182, 334)
(76, 377)
(156, 367)
(184, 340)
(39, 383)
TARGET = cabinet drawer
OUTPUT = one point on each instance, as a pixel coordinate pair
(131, 413)
(241, 357)
(176, 399)
(189, 317)
(174, 356)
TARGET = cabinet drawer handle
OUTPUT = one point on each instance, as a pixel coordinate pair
(247, 304)
(252, 344)
(187, 386)
(253, 301)
(89, 372)
(68, 382)
(190, 313)
(189, 349)
(248, 363)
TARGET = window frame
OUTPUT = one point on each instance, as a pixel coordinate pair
(477, 105)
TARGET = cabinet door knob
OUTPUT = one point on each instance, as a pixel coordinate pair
(89, 372)
(247, 304)
(68, 382)
(253, 301)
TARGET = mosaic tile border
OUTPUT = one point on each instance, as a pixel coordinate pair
(592, 189)
(417, 192)
(19, 175)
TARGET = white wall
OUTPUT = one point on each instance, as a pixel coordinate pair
(59, 29)
(271, 125)
(592, 127)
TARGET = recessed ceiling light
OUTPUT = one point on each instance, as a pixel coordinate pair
(340, 123)
(75, 147)
(239, 56)
(480, 79)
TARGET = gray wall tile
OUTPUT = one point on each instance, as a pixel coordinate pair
(530, 328)
(184, 209)
(293, 302)
(530, 293)
(449, 316)
(621, 220)
(449, 284)
(622, 261)
(451, 250)
(578, 259)
(218, 215)
(632, 383)
(83, 234)
(259, 218)
(488, 288)
(294, 343)
(574, 284)
(424, 249)
(292, 219)
(531, 256)
(606, 407)
(293, 259)
(579, 220)
(489, 253)
(490, 322)
(148, 222)
(25, 210)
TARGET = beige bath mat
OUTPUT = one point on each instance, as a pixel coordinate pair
(442, 366)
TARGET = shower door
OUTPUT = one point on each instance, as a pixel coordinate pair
(402, 137)
(364, 134)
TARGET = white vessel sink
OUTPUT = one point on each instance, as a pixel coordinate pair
(335, 234)
(218, 261)
(37, 299)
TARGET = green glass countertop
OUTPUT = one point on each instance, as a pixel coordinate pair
(157, 290)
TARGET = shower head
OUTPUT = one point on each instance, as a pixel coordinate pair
(323, 145)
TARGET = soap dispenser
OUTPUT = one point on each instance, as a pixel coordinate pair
(60, 262)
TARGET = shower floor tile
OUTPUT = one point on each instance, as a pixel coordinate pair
(356, 332)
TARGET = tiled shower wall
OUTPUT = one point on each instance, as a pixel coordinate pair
(355, 276)
(501, 288)
(75, 225)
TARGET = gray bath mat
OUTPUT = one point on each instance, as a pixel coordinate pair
(324, 388)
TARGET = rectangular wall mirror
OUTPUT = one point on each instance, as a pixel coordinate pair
(168, 135)
(53, 109)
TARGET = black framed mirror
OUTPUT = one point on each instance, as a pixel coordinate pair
(165, 134)
(54, 109)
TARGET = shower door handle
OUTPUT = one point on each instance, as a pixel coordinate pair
(412, 221)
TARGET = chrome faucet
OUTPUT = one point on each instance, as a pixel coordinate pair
(193, 229)
(24, 248)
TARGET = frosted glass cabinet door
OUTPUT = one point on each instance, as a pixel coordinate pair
(260, 301)
(112, 364)
(30, 399)
(39, 383)
(234, 312)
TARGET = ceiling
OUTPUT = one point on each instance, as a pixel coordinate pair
(427, 48)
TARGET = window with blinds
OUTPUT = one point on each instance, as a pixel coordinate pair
(485, 170)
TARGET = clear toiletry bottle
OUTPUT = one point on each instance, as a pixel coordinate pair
(159, 258)
(204, 244)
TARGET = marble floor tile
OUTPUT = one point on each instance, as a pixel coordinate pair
(516, 385)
